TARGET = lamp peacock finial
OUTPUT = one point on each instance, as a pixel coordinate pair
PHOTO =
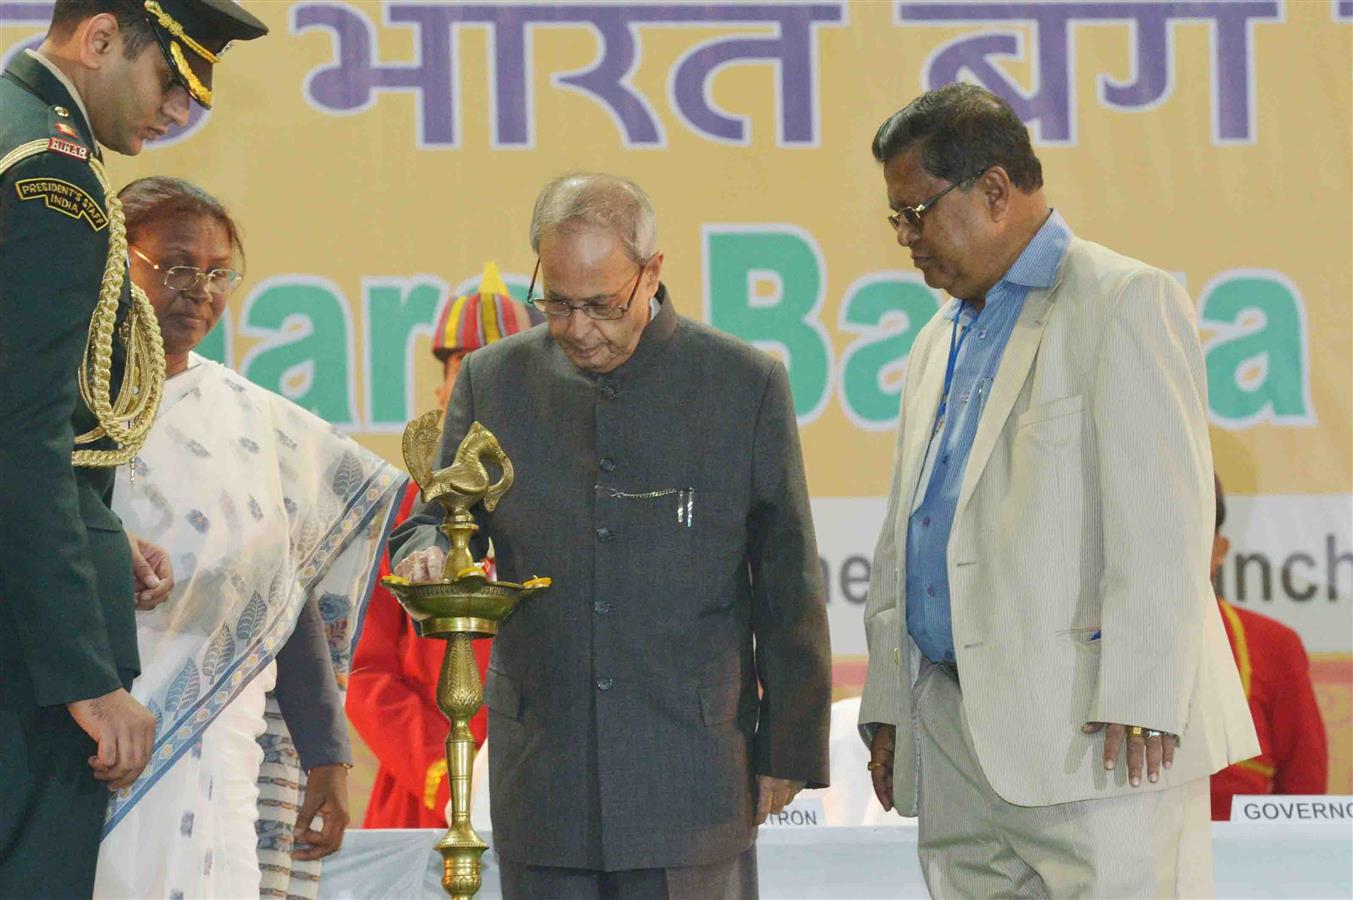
(459, 486)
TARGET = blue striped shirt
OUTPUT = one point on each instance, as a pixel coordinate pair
(979, 357)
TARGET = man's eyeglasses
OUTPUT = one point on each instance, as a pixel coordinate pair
(185, 278)
(175, 77)
(562, 309)
(912, 215)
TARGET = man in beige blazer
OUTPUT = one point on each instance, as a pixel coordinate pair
(1049, 679)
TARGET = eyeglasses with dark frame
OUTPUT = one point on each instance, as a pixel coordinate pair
(913, 215)
(562, 309)
(162, 42)
(185, 278)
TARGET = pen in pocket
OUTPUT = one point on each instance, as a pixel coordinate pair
(685, 506)
(983, 389)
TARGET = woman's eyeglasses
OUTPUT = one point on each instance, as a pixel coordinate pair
(185, 278)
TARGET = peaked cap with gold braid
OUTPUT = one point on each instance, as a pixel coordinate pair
(192, 35)
(471, 321)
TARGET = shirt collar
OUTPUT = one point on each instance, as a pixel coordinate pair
(1037, 265)
(654, 340)
(65, 83)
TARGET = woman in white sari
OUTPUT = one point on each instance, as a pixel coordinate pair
(274, 521)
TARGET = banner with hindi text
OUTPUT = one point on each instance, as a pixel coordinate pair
(377, 154)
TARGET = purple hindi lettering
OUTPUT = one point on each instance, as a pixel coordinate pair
(1048, 107)
(20, 15)
(348, 85)
(606, 81)
(14, 12)
(792, 49)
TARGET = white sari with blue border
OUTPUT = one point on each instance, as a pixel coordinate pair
(260, 504)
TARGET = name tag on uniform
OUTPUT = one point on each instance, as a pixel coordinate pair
(69, 148)
(1279, 809)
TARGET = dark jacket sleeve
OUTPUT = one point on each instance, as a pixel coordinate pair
(307, 693)
(51, 266)
(789, 613)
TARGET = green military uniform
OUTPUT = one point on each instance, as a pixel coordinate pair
(67, 627)
(67, 620)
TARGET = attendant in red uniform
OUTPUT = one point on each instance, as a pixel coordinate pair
(1277, 679)
(392, 688)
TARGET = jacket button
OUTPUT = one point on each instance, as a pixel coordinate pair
(607, 464)
(601, 607)
(608, 392)
(604, 534)
(605, 684)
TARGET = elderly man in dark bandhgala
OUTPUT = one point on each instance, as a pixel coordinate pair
(1049, 685)
(672, 688)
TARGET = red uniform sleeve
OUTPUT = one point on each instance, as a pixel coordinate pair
(1300, 749)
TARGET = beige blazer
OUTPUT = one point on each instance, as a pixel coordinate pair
(1086, 506)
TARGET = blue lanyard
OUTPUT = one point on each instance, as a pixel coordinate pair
(956, 338)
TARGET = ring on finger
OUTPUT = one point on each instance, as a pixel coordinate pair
(1153, 733)
(1136, 731)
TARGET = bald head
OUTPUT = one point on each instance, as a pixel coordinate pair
(594, 201)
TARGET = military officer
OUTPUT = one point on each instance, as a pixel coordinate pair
(81, 370)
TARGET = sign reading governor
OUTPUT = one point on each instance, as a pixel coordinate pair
(1267, 808)
(64, 197)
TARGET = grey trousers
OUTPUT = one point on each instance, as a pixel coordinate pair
(972, 843)
(727, 879)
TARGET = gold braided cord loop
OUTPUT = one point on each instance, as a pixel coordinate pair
(171, 25)
(127, 420)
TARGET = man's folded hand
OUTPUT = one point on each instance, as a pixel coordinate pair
(773, 795)
(124, 731)
(152, 572)
(881, 763)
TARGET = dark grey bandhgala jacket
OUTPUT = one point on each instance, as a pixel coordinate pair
(667, 502)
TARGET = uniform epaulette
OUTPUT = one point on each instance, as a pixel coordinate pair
(63, 138)
(58, 194)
